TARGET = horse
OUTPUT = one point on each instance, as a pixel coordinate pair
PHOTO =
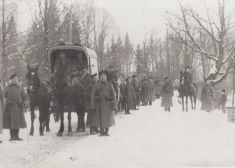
(71, 93)
(185, 92)
(38, 92)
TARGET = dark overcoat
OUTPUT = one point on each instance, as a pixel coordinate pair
(1, 106)
(167, 94)
(14, 113)
(144, 92)
(207, 97)
(130, 96)
(103, 100)
(90, 112)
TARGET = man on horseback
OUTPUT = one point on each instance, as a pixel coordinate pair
(188, 80)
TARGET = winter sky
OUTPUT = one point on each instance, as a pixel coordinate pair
(138, 17)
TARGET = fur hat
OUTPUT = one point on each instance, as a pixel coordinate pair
(102, 72)
(187, 67)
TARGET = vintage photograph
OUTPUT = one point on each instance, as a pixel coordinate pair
(117, 83)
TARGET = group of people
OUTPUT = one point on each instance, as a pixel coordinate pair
(106, 95)
(113, 92)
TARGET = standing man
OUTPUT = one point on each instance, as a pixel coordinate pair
(135, 84)
(1, 108)
(144, 92)
(129, 96)
(93, 129)
(207, 96)
(150, 91)
(16, 101)
(157, 88)
(167, 94)
(103, 101)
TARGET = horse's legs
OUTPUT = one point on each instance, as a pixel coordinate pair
(186, 103)
(61, 109)
(32, 107)
(191, 99)
(182, 103)
(47, 117)
(41, 120)
(70, 132)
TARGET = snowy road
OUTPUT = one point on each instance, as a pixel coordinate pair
(148, 138)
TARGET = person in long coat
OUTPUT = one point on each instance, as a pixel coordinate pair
(129, 95)
(167, 94)
(157, 88)
(90, 113)
(136, 86)
(2, 105)
(207, 96)
(16, 101)
(122, 90)
(103, 100)
(144, 92)
(150, 91)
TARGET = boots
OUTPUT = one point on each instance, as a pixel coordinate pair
(91, 130)
(128, 112)
(101, 131)
(12, 136)
(169, 109)
(17, 138)
(96, 130)
(106, 132)
(165, 108)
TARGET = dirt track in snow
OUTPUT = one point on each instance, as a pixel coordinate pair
(148, 138)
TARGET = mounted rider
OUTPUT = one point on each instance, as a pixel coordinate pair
(188, 79)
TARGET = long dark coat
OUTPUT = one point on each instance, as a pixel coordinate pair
(122, 90)
(207, 97)
(1, 106)
(136, 86)
(90, 113)
(167, 94)
(14, 113)
(130, 96)
(144, 92)
(150, 91)
(103, 100)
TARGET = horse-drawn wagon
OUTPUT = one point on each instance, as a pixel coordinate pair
(71, 68)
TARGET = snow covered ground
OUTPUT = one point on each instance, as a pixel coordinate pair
(147, 138)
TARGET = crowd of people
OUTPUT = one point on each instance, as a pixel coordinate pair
(106, 95)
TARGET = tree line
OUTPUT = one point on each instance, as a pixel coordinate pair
(203, 42)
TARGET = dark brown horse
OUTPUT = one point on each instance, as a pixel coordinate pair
(185, 92)
(69, 93)
(38, 91)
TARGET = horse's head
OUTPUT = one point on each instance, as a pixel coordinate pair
(33, 78)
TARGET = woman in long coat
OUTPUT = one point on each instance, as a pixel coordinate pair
(129, 95)
(207, 96)
(16, 101)
(167, 94)
(103, 100)
(1, 108)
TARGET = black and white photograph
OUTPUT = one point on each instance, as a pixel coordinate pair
(117, 83)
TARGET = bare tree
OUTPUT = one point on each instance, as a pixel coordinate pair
(218, 29)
